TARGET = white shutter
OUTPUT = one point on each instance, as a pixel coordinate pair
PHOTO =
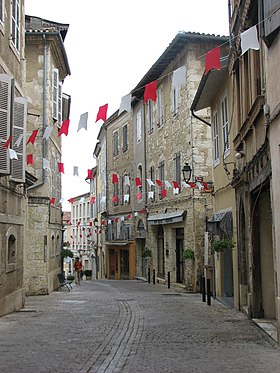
(5, 121)
(55, 93)
(19, 126)
(59, 104)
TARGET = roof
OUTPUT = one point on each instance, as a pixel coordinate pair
(210, 84)
(177, 44)
(167, 218)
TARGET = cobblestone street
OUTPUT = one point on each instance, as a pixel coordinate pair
(131, 326)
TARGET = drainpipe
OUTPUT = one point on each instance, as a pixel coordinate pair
(44, 114)
(202, 120)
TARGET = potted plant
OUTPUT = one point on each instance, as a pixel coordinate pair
(88, 274)
(188, 254)
(147, 253)
(219, 246)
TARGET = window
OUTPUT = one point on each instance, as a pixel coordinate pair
(216, 152)
(225, 126)
(175, 100)
(57, 96)
(1, 11)
(124, 138)
(116, 193)
(161, 176)
(12, 249)
(126, 189)
(153, 179)
(115, 143)
(159, 108)
(15, 22)
(53, 246)
(271, 20)
(138, 126)
(150, 116)
(177, 168)
(140, 175)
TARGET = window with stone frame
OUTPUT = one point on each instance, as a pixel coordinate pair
(116, 193)
(175, 100)
(153, 179)
(150, 116)
(139, 126)
(11, 249)
(159, 108)
(177, 169)
(125, 189)
(53, 246)
(15, 23)
(161, 177)
(124, 138)
(116, 143)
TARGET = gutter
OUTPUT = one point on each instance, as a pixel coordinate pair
(202, 120)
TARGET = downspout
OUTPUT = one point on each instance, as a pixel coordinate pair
(202, 120)
(44, 114)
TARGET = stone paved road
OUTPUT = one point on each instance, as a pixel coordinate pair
(131, 327)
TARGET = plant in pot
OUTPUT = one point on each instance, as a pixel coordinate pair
(219, 246)
(88, 274)
(188, 254)
(147, 253)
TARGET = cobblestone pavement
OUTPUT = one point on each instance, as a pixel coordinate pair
(131, 327)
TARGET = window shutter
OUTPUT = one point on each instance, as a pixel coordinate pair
(59, 104)
(55, 93)
(271, 20)
(19, 125)
(5, 121)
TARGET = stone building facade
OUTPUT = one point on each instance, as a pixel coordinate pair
(45, 70)
(176, 214)
(13, 180)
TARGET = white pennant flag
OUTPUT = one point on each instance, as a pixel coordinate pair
(126, 180)
(167, 184)
(150, 182)
(249, 39)
(19, 140)
(75, 171)
(46, 164)
(136, 214)
(179, 77)
(185, 185)
(122, 218)
(175, 191)
(126, 198)
(125, 104)
(151, 194)
(12, 154)
(199, 185)
(83, 121)
(82, 199)
(61, 201)
(47, 132)
(109, 221)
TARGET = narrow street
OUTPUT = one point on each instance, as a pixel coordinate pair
(131, 326)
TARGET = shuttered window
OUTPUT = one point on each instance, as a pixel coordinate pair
(124, 138)
(159, 108)
(115, 143)
(5, 120)
(271, 16)
(138, 126)
(19, 125)
(175, 100)
(15, 23)
(55, 87)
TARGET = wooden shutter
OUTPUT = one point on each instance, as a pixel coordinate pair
(5, 120)
(59, 104)
(271, 15)
(19, 126)
(55, 86)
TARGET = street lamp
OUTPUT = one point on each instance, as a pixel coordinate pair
(187, 172)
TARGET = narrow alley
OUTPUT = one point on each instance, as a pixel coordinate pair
(131, 326)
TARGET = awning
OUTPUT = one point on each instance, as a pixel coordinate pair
(221, 220)
(116, 243)
(167, 218)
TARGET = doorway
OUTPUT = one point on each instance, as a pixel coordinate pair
(124, 264)
(179, 255)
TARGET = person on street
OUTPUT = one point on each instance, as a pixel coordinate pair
(78, 267)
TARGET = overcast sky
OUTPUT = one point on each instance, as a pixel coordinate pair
(111, 44)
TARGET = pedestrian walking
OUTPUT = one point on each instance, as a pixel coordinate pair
(78, 267)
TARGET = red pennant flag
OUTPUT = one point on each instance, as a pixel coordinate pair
(71, 236)
(128, 216)
(32, 137)
(115, 178)
(139, 196)
(150, 91)
(52, 201)
(64, 127)
(192, 185)
(100, 231)
(103, 222)
(83, 229)
(116, 220)
(61, 167)
(138, 181)
(7, 143)
(89, 174)
(29, 159)
(159, 183)
(212, 60)
(205, 186)
(79, 223)
(71, 200)
(90, 223)
(81, 236)
(92, 200)
(102, 113)
(142, 211)
(163, 193)
(115, 199)
(176, 185)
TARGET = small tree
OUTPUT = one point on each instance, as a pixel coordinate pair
(65, 253)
